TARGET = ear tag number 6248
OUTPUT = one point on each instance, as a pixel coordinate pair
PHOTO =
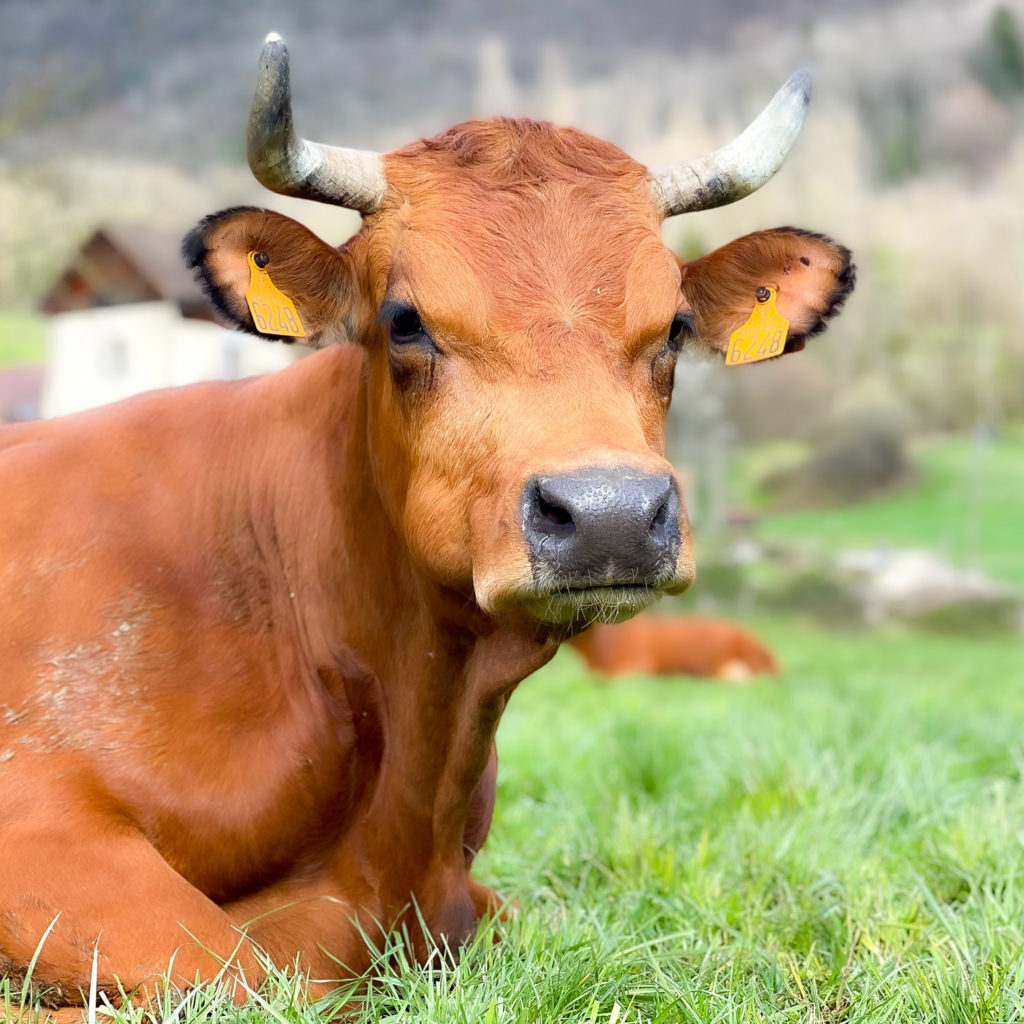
(272, 311)
(761, 337)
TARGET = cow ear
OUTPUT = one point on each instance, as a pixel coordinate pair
(810, 274)
(309, 273)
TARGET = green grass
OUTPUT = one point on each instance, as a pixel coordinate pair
(967, 504)
(22, 339)
(846, 844)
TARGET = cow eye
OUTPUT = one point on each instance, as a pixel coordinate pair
(403, 324)
(663, 369)
(406, 326)
(680, 329)
(412, 354)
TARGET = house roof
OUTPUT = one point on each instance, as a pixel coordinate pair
(123, 263)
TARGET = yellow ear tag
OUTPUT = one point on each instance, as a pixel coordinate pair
(272, 311)
(762, 336)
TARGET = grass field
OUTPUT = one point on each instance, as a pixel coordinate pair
(845, 844)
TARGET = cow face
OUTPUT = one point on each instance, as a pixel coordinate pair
(525, 350)
(521, 320)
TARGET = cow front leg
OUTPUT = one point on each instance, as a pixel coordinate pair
(486, 902)
(76, 888)
(452, 901)
(480, 812)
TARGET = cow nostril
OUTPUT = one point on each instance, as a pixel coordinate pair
(548, 514)
(553, 513)
(660, 517)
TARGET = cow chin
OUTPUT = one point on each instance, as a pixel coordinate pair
(579, 603)
(586, 605)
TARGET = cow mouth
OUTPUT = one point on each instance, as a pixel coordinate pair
(613, 602)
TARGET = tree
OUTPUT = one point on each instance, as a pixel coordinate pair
(998, 63)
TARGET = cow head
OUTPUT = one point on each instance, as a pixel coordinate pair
(521, 318)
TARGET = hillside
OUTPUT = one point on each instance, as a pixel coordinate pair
(139, 78)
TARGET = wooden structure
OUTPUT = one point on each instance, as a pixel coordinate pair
(126, 316)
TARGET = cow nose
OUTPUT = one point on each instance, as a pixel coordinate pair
(602, 526)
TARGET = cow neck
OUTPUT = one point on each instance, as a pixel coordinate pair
(446, 672)
(441, 669)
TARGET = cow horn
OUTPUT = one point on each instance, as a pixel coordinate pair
(294, 166)
(741, 166)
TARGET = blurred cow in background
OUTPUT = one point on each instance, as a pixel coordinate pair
(654, 645)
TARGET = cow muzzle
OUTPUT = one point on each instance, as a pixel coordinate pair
(603, 542)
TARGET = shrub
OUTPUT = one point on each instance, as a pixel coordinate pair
(999, 62)
(859, 456)
(820, 594)
(973, 617)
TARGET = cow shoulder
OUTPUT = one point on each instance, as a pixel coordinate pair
(810, 274)
(315, 277)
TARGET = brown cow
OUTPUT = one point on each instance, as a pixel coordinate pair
(257, 636)
(659, 645)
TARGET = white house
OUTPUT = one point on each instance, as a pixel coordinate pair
(126, 316)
